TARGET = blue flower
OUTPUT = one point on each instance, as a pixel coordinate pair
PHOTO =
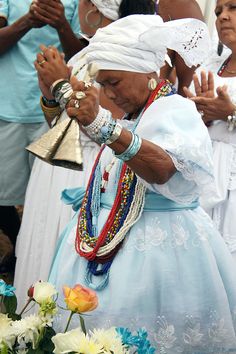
(6, 290)
(139, 341)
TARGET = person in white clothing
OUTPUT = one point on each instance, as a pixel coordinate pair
(215, 100)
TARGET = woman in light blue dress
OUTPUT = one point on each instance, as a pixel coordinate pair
(140, 238)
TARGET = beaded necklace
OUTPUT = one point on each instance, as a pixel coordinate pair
(224, 67)
(126, 210)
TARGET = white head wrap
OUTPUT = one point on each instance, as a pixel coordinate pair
(109, 8)
(139, 43)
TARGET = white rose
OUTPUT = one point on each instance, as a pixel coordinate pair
(43, 292)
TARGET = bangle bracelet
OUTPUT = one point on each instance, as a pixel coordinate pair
(115, 134)
(50, 112)
(49, 103)
(132, 149)
(55, 83)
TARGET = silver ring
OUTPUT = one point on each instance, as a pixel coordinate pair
(80, 95)
(41, 62)
(202, 113)
(87, 84)
(76, 104)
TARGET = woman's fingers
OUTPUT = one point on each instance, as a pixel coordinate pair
(197, 85)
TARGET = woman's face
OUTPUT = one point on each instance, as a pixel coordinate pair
(226, 21)
(88, 10)
(128, 90)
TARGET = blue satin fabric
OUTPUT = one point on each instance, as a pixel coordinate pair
(153, 201)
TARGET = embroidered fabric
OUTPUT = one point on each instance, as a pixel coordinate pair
(188, 38)
(195, 336)
(173, 274)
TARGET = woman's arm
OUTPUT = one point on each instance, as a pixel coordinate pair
(151, 162)
(172, 10)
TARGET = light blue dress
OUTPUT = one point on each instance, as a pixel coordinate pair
(173, 273)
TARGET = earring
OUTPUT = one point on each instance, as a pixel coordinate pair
(152, 84)
(93, 24)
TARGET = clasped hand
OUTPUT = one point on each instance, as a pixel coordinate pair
(211, 106)
(84, 109)
(50, 66)
(48, 12)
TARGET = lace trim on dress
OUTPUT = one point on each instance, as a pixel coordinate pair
(188, 335)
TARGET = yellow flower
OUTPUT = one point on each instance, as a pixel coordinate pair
(75, 341)
(80, 299)
(109, 339)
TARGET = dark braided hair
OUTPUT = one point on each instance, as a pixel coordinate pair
(137, 7)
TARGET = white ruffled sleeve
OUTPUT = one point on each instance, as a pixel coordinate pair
(174, 124)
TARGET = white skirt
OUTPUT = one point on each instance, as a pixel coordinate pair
(45, 216)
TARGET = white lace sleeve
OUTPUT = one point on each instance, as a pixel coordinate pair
(174, 124)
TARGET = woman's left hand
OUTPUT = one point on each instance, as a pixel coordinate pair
(51, 66)
(88, 106)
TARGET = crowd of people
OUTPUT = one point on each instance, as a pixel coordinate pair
(148, 221)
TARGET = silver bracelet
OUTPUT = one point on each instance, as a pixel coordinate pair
(115, 134)
(55, 83)
(231, 122)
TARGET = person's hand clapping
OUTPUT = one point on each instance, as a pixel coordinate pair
(211, 106)
(32, 19)
(50, 12)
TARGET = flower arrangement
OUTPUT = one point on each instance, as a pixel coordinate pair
(34, 334)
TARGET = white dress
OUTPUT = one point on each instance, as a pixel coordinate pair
(173, 274)
(219, 197)
(45, 215)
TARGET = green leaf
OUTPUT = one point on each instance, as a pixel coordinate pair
(14, 316)
(10, 304)
(35, 351)
(45, 343)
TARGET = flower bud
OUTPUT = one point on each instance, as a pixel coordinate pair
(43, 292)
(30, 292)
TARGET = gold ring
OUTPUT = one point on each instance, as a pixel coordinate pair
(41, 62)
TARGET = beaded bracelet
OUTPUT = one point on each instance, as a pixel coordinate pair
(104, 129)
(132, 149)
(94, 129)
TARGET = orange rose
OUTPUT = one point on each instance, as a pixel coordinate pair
(80, 299)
